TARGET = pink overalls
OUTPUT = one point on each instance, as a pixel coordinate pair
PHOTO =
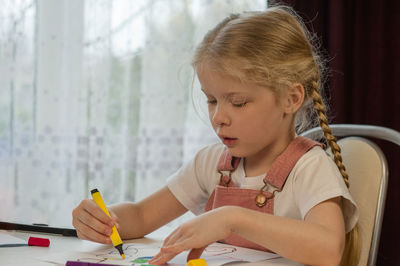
(227, 193)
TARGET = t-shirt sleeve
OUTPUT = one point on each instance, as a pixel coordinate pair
(318, 179)
(193, 183)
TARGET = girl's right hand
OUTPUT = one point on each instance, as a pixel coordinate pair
(91, 223)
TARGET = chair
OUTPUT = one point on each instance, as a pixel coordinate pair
(367, 168)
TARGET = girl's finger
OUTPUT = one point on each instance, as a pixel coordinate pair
(195, 253)
(169, 252)
(114, 218)
(171, 238)
(87, 219)
(162, 259)
(155, 258)
(91, 207)
(88, 233)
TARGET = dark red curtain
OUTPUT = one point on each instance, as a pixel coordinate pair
(362, 42)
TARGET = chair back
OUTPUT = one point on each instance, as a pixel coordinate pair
(367, 168)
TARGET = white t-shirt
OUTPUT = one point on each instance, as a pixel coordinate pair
(314, 179)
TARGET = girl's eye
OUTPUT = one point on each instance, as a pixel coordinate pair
(211, 101)
(239, 104)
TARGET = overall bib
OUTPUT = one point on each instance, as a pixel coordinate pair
(226, 193)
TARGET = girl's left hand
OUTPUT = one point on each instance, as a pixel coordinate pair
(196, 235)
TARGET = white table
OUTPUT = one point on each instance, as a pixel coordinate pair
(28, 255)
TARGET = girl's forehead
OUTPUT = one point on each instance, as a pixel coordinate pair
(214, 82)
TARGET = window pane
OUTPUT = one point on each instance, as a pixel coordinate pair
(97, 94)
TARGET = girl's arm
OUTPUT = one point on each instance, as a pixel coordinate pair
(131, 219)
(141, 218)
(318, 240)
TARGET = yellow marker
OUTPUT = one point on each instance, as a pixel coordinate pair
(197, 262)
(115, 238)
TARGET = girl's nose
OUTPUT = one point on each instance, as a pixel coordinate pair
(220, 117)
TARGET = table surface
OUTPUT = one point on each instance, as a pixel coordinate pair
(27, 255)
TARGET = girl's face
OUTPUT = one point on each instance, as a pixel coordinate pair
(247, 118)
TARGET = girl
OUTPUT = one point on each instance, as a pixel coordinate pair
(263, 187)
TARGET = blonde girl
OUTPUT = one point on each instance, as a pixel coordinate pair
(263, 187)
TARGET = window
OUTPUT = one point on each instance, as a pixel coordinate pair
(97, 94)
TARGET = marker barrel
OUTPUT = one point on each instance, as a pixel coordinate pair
(115, 238)
(197, 262)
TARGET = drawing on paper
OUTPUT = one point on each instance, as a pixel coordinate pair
(133, 254)
(137, 254)
(214, 250)
(221, 251)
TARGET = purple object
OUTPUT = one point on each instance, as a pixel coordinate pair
(82, 263)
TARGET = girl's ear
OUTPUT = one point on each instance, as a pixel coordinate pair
(294, 98)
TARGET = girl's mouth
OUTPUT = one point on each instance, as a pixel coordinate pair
(228, 141)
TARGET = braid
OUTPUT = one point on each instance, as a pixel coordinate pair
(331, 140)
(352, 249)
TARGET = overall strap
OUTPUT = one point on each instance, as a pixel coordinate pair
(227, 162)
(282, 165)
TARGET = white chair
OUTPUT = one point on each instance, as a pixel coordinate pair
(367, 168)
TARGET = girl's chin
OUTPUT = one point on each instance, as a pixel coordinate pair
(236, 152)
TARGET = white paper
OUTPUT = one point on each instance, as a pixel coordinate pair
(139, 254)
(7, 239)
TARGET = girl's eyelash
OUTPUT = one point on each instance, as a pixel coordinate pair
(234, 104)
(239, 104)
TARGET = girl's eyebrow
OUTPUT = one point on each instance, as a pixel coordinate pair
(227, 95)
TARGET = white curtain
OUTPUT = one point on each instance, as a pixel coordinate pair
(97, 94)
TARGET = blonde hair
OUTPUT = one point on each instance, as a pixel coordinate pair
(273, 49)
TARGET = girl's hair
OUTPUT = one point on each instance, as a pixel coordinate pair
(273, 49)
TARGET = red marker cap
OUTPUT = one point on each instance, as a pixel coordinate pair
(37, 241)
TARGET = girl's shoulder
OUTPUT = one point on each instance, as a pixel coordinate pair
(317, 160)
(314, 153)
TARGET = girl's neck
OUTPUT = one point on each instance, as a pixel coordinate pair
(261, 162)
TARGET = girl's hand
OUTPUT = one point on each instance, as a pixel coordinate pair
(196, 235)
(91, 223)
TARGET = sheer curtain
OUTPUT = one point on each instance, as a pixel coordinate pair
(97, 93)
